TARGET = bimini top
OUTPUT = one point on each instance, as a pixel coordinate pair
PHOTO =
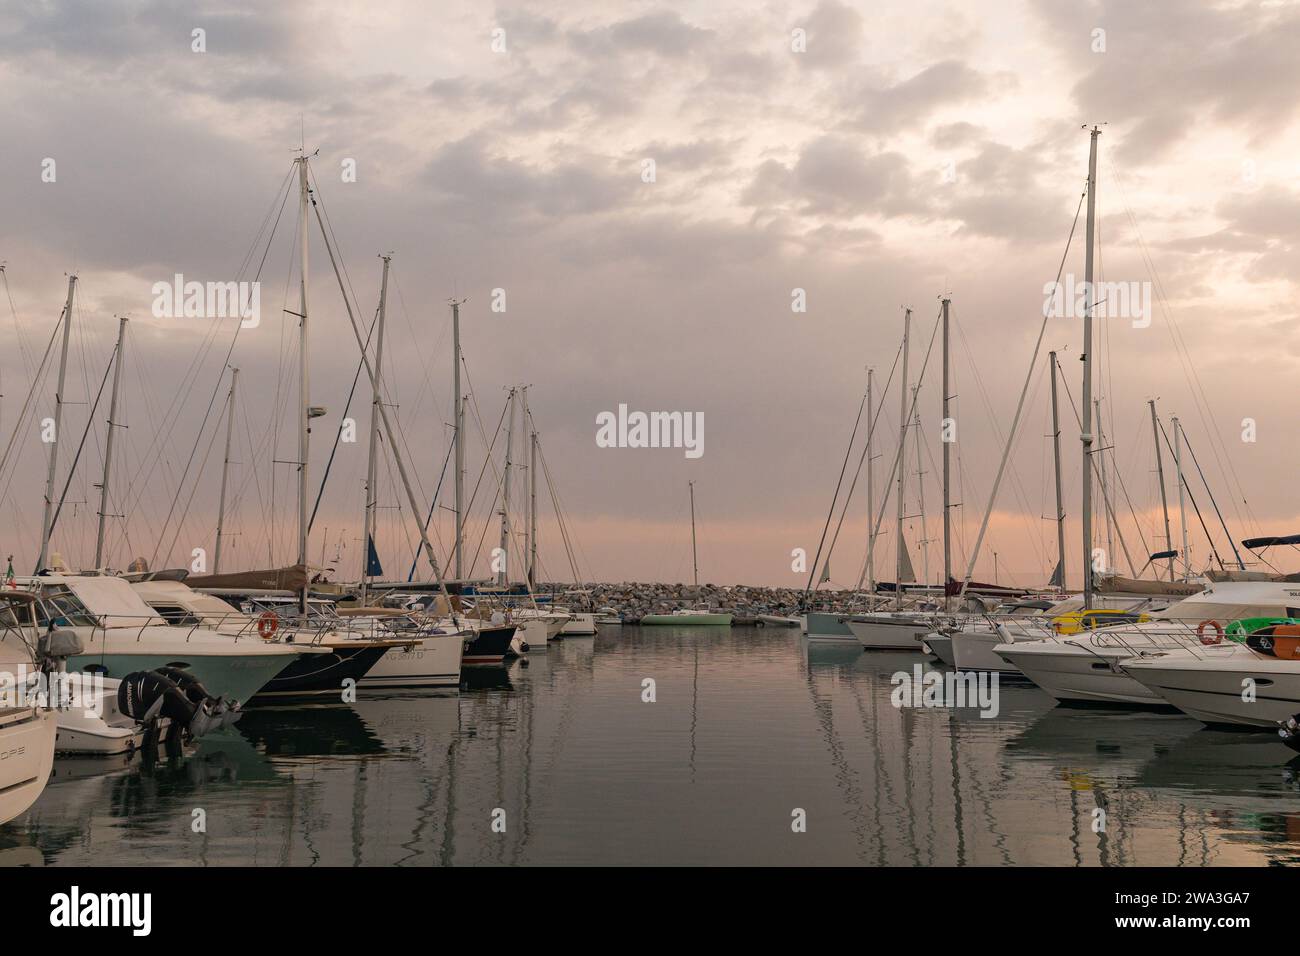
(1271, 541)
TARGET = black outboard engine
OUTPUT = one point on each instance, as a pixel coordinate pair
(177, 695)
(1289, 731)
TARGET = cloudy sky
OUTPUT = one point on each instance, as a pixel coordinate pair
(874, 156)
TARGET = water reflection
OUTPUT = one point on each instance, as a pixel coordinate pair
(562, 759)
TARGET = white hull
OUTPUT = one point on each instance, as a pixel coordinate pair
(534, 633)
(429, 662)
(104, 733)
(881, 633)
(1209, 686)
(940, 646)
(580, 625)
(27, 749)
(972, 650)
(1071, 673)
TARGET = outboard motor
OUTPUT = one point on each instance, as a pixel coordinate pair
(147, 695)
(1289, 731)
(53, 648)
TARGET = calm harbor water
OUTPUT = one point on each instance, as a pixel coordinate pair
(747, 726)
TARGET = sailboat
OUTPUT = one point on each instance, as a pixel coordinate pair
(700, 615)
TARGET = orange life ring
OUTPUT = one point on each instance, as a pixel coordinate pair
(268, 622)
(1218, 633)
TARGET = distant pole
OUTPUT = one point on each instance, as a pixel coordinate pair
(108, 444)
(1160, 473)
(695, 561)
(46, 525)
(225, 471)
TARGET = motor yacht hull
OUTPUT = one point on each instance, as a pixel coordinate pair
(1210, 687)
(972, 650)
(26, 756)
(234, 676)
(1072, 674)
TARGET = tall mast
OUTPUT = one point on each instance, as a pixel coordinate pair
(920, 488)
(1182, 506)
(376, 398)
(225, 470)
(1160, 473)
(947, 459)
(304, 390)
(58, 424)
(871, 491)
(1085, 435)
(532, 495)
(108, 443)
(503, 577)
(459, 426)
(902, 456)
(1060, 501)
(695, 561)
(1102, 467)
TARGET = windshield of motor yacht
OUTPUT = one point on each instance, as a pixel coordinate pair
(318, 611)
(88, 601)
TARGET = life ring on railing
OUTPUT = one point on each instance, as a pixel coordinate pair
(1218, 633)
(268, 622)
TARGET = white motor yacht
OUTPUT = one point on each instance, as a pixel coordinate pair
(26, 731)
(1087, 666)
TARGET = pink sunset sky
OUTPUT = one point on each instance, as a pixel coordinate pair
(896, 153)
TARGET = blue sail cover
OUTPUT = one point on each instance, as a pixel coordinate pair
(373, 567)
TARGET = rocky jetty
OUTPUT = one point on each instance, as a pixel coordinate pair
(632, 600)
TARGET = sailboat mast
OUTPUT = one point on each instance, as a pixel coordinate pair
(1060, 501)
(532, 495)
(902, 456)
(1160, 474)
(108, 443)
(503, 576)
(695, 561)
(376, 397)
(225, 470)
(947, 465)
(920, 488)
(871, 490)
(1085, 434)
(1182, 505)
(58, 424)
(304, 389)
(1102, 467)
(459, 426)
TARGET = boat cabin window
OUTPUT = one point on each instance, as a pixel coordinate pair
(175, 615)
(58, 605)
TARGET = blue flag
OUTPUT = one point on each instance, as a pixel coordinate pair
(373, 567)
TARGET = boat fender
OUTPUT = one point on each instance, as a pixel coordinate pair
(268, 622)
(1218, 633)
